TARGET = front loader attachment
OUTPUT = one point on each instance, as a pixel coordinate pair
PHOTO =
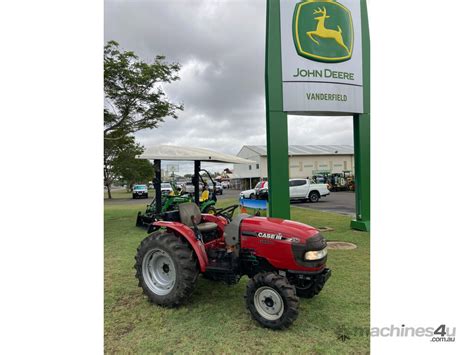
(144, 220)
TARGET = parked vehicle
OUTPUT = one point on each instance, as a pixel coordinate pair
(262, 193)
(139, 191)
(189, 187)
(306, 189)
(166, 188)
(170, 202)
(341, 181)
(225, 184)
(219, 188)
(252, 193)
(284, 260)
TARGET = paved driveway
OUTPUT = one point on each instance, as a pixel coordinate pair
(340, 202)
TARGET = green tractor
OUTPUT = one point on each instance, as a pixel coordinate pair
(171, 201)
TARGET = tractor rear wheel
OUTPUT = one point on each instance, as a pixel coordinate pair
(272, 300)
(166, 269)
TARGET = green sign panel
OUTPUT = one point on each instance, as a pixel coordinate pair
(317, 63)
(323, 31)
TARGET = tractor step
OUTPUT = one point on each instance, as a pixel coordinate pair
(222, 269)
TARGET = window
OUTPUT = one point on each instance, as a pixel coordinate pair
(297, 182)
(257, 166)
(250, 167)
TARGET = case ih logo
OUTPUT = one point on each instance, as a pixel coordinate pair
(323, 31)
(278, 236)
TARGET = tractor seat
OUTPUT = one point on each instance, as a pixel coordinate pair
(204, 196)
(189, 209)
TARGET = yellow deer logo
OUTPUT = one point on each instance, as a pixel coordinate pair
(322, 32)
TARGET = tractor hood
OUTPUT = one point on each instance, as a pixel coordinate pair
(283, 243)
(277, 229)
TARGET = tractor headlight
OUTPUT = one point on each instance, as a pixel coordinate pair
(315, 254)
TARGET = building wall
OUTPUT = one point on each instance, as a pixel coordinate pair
(248, 170)
(309, 165)
(301, 166)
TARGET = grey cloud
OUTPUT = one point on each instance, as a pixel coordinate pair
(221, 46)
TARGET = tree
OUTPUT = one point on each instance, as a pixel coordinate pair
(113, 148)
(134, 96)
(134, 100)
(135, 170)
(120, 162)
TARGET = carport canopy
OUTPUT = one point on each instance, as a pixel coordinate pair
(172, 152)
(178, 153)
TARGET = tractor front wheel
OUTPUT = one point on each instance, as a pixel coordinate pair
(272, 300)
(166, 269)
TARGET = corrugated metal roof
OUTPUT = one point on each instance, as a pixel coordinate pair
(308, 149)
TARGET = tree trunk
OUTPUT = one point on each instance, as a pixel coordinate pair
(108, 191)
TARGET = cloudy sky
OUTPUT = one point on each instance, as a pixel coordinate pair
(220, 45)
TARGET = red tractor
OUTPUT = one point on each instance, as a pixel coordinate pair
(284, 259)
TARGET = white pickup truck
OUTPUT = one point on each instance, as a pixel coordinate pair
(300, 189)
(306, 189)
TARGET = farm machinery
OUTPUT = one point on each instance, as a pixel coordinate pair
(285, 260)
(337, 181)
(170, 201)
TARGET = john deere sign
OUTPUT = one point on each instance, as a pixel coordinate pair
(323, 31)
(321, 56)
(317, 62)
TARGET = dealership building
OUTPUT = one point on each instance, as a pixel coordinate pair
(304, 161)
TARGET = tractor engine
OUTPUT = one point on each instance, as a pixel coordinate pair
(273, 244)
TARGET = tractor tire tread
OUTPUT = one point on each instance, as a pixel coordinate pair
(286, 291)
(185, 262)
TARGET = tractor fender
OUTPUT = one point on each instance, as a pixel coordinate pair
(188, 234)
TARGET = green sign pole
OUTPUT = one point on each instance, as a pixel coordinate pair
(362, 135)
(277, 123)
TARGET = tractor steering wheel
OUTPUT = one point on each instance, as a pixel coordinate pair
(227, 212)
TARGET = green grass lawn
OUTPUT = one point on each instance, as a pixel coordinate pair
(216, 320)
